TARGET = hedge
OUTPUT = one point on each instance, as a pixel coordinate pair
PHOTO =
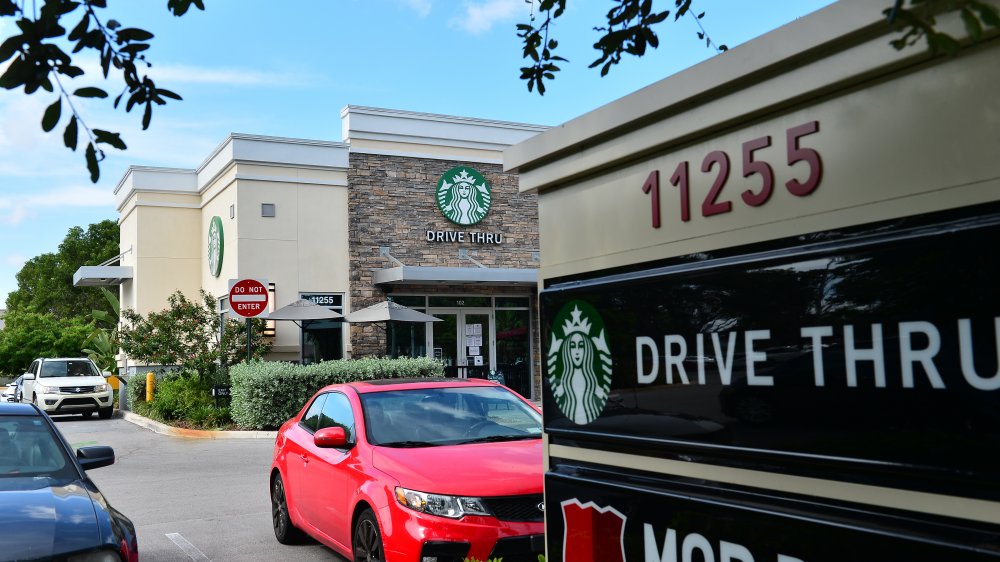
(265, 394)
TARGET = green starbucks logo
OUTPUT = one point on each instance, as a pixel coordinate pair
(579, 362)
(463, 195)
(216, 246)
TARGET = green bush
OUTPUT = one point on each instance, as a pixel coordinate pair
(178, 396)
(266, 394)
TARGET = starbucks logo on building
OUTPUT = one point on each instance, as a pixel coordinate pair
(579, 362)
(216, 246)
(463, 195)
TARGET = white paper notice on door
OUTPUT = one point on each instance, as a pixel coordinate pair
(474, 350)
(468, 329)
(478, 360)
(474, 341)
(477, 329)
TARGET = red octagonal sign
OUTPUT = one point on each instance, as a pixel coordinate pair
(248, 298)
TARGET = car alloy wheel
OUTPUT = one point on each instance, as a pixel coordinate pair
(368, 539)
(284, 531)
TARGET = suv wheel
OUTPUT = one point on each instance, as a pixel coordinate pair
(105, 413)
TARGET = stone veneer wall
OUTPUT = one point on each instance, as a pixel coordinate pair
(392, 203)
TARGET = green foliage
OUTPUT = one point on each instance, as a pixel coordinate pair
(37, 60)
(45, 282)
(136, 389)
(102, 344)
(628, 30)
(187, 334)
(919, 22)
(30, 335)
(179, 396)
(266, 394)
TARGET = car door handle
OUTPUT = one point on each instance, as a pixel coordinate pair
(305, 459)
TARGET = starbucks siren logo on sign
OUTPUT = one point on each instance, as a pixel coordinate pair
(463, 195)
(579, 362)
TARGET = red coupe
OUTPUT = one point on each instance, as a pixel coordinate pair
(417, 470)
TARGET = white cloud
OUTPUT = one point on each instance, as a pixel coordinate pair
(14, 209)
(421, 7)
(480, 17)
(15, 260)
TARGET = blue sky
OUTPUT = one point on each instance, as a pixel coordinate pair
(287, 69)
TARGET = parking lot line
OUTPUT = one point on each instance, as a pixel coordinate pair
(188, 548)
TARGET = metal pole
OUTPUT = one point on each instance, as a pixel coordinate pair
(249, 339)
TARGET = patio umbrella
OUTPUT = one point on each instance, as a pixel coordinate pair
(388, 311)
(304, 310)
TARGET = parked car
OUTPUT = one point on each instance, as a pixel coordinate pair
(49, 508)
(412, 470)
(12, 392)
(67, 386)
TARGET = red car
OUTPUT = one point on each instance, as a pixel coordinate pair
(414, 470)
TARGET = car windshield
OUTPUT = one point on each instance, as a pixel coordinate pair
(30, 449)
(73, 368)
(429, 417)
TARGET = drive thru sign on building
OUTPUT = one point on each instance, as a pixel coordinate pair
(248, 298)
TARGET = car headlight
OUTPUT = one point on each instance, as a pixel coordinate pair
(101, 388)
(48, 389)
(453, 507)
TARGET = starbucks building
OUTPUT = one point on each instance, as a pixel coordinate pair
(410, 207)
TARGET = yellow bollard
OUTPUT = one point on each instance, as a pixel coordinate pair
(150, 383)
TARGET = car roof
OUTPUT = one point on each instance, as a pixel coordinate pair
(15, 409)
(64, 359)
(382, 385)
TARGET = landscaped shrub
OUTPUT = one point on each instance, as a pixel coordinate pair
(266, 394)
(179, 397)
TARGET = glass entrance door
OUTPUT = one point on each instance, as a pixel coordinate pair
(463, 341)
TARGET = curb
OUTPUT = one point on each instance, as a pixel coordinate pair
(164, 429)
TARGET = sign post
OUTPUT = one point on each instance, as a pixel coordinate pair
(248, 299)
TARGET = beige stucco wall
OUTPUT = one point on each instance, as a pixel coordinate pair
(166, 255)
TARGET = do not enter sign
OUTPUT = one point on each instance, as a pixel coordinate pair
(248, 297)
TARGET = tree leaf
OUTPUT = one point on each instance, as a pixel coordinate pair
(168, 94)
(51, 117)
(92, 165)
(147, 115)
(70, 134)
(90, 92)
(972, 24)
(109, 138)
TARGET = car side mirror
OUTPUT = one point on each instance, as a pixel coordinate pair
(28, 377)
(107, 374)
(95, 456)
(332, 438)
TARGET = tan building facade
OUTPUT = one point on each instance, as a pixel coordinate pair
(347, 225)
(768, 314)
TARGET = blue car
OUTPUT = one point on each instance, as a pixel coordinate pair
(49, 508)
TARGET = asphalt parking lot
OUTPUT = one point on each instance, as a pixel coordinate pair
(190, 499)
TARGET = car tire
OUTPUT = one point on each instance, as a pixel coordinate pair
(284, 530)
(86, 414)
(105, 413)
(367, 539)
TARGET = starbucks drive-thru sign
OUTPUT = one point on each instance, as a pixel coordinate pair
(463, 195)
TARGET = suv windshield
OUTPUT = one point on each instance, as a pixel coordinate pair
(447, 416)
(69, 368)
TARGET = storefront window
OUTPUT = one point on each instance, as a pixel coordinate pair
(467, 302)
(323, 340)
(512, 302)
(513, 349)
(409, 301)
(407, 339)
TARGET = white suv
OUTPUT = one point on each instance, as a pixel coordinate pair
(67, 386)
